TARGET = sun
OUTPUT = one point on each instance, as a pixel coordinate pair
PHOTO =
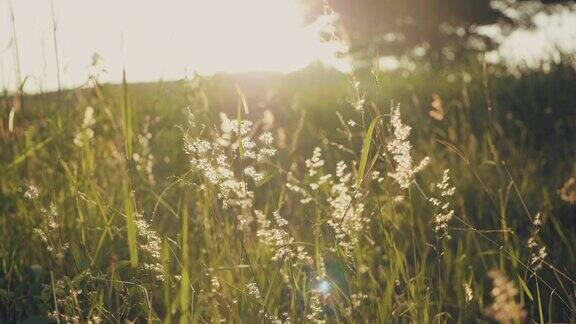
(160, 39)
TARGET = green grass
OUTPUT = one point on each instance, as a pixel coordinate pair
(507, 138)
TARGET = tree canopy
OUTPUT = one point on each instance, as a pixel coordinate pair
(397, 26)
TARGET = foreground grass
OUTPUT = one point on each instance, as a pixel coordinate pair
(141, 209)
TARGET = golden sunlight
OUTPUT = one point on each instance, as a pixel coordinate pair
(157, 40)
(287, 161)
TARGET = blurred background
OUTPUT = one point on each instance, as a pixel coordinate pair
(171, 40)
(94, 107)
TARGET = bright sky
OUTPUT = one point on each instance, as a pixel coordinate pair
(552, 32)
(167, 39)
(161, 39)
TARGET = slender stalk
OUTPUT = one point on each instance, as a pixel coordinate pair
(56, 54)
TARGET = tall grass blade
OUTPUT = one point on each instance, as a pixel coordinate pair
(129, 201)
(165, 255)
(366, 148)
(185, 281)
(525, 288)
(131, 230)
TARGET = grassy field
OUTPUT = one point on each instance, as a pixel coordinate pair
(441, 195)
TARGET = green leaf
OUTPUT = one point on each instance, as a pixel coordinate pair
(525, 288)
(129, 201)
(540, 312)
(366, 148)
(22, 157)
(185, 280)
(131, 231)
(127, 118)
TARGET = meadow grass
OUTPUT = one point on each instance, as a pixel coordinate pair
(428, 196)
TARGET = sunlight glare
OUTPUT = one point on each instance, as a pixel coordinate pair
(154, 39)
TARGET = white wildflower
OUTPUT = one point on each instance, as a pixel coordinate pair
(150, 243)
(347, 209)
(315, 161)
(266, 152)
(538, 256)
(357, 299)
(232, 126)
(315, 308)
(86, 133)
(537, 252)
(443, 212)
(252, 290)
(88, 120)
(251, 172)
(31, 191)
(293, 186)
(145, 160)
(400, 148)
(267, 138)
(278, 239)
(468, 294)
(505, 309)
(345, 200)
(358, 101)
(215, 284)
(48, 232)
(217, 161)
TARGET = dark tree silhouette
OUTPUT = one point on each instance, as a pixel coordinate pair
(397, 26)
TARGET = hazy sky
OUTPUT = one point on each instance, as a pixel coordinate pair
(157, 39)
(556, 31)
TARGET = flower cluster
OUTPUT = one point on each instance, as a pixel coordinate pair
(315, 162)
(400, 148)
(66, 295)
(347, 209)
(314, 165)
(504, 309)
(252, 290)
(315, 178)
(150, 243)
(357, 299)
(86, 133)
(315, 307)
(468, 293)
(538, 253)
(441, 203)
(236, 134)
(344, 199)
(330, 34)
(359, 99)
(31, 191)
(215, 284)
(279, 239)
(48, 232)
(145, 160)
(232, 157)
